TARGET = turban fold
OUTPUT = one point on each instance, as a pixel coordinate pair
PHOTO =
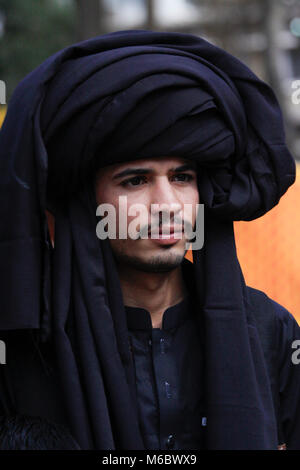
(118, 97)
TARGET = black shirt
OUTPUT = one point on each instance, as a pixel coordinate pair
(29, 382)
(169, 377)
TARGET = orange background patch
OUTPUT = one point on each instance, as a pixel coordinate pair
(268, 249)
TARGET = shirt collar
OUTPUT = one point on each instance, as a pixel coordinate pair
(140, 319)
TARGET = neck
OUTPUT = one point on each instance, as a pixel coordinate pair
(154, 292)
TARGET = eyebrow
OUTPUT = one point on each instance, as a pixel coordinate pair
(146, 171)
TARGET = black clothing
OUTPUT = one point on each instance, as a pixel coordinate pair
(169, 377)
(118, 97)
(29, 382)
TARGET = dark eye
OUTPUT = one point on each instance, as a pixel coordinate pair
(135, 181)
(183, 177)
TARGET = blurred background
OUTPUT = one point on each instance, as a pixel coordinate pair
(265, 34)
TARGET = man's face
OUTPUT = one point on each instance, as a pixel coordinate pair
(163, 186)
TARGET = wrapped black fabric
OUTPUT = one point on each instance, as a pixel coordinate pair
(117, 97)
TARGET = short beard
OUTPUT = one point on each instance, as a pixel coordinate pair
(156, 264)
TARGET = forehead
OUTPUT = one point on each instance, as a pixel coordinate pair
(157, 164)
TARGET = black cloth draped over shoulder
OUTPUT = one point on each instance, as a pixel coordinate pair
(117, 97)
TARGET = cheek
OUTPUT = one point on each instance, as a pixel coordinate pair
(104, 195)
(190, 198)
(195, 194)
(119, 247)
(138, 210)
(131, 215)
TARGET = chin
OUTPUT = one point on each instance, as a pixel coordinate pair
(156, 263)
(159, 264)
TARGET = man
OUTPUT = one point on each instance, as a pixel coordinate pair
(153, 117)
(151, 277)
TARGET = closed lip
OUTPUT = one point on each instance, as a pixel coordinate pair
(166, 230)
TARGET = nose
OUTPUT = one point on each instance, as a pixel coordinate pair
(164, 199)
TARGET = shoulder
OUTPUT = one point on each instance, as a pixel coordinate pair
(260, 298)
(273, 319)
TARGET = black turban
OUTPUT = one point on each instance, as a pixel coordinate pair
(118, 97)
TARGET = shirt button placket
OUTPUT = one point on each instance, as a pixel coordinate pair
(162, 346)
(170, 441)
(160, 343)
